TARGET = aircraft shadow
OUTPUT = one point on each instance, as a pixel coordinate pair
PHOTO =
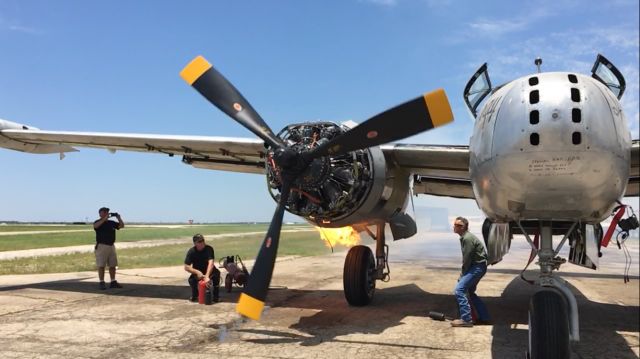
(140, 290)
(599, 322)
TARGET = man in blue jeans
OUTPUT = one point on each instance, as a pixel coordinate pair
(474, 266)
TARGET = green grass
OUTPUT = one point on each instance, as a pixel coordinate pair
(302, 244)
(13, 242)
(45, 227)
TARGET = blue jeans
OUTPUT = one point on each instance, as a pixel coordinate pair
(467, 287)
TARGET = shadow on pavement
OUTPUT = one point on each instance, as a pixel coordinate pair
(599, 323)
(160, 291)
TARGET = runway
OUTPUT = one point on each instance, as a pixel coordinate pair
(65, 315)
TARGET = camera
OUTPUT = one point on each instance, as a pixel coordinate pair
(113, 214)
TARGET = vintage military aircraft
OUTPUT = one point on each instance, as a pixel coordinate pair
(550, 154)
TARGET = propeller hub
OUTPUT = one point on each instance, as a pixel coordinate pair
(314, 175)
(324, 188)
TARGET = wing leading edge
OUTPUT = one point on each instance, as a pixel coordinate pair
(218, 153)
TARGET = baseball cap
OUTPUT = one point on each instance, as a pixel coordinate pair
(198, 238)
(105, 209)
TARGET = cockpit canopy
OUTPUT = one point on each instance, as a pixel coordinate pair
(479, 85)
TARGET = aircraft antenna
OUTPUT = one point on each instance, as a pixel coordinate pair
(538, 62)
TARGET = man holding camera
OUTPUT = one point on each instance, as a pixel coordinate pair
(105, 248)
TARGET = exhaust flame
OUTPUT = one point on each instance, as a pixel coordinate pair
(345, 236)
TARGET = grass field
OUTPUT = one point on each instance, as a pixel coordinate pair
(69, 235)
(247, 246)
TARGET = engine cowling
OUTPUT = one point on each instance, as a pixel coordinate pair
(337, 191)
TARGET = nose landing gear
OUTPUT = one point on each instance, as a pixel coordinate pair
(553, 311)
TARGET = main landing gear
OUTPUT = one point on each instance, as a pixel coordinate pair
(553, 311)
(362, 269)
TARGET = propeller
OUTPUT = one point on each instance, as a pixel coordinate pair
(420, 114)
(254, 294)
(201, 75)
(412, 117)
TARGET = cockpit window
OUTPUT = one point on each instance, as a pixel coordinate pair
(604, 71)
(478, 87)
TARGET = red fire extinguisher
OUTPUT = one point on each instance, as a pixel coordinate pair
(202, 289)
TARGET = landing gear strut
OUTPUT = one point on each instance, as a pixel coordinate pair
(553, 311)
(361, 269)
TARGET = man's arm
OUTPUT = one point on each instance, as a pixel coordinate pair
(120, 222)
(189, 268)
(99, 222)
(209, 268)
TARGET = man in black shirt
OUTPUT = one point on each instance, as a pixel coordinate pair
(199, 262)
(105, 248)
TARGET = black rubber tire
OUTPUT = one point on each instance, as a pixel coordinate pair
(359, 276)
(228, 282)
(548, 326)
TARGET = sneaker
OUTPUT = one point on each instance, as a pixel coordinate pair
(115, 284)
(103, 285)
(461, 323)
(193, 299)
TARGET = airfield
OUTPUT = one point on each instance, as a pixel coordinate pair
(65, 315)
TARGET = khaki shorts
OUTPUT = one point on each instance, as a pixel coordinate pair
(106, 256)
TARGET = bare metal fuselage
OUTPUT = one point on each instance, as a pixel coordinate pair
(568, 161)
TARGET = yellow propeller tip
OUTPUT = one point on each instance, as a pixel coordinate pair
(195, 69)
(438, 107)
(249, 307)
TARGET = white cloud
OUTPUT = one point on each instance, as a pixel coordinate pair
(492, 28)
(630, 100)
(497, 27)
(14, 26)
(25, 29)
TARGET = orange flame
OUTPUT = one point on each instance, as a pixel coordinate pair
(345, 236)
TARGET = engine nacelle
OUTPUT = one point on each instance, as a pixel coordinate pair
(349, 189)
(497, 240)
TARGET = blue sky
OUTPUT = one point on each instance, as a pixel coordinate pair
(113, 66)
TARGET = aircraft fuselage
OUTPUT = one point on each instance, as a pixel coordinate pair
(550, 146)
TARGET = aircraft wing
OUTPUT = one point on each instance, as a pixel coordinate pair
(444, 170)
(219, 153)
(439, 170)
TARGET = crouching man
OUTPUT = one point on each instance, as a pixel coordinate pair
(200, 263)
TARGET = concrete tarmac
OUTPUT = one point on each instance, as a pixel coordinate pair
(67, 316)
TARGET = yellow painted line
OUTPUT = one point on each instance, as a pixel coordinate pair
(195, 69)
(249, 306)
(438, 107)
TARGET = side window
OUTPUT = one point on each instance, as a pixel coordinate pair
(478, 87)
(604, 71)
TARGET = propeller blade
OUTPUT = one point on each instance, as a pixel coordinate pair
(252, 299)
(201, 75)
(420, 114)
